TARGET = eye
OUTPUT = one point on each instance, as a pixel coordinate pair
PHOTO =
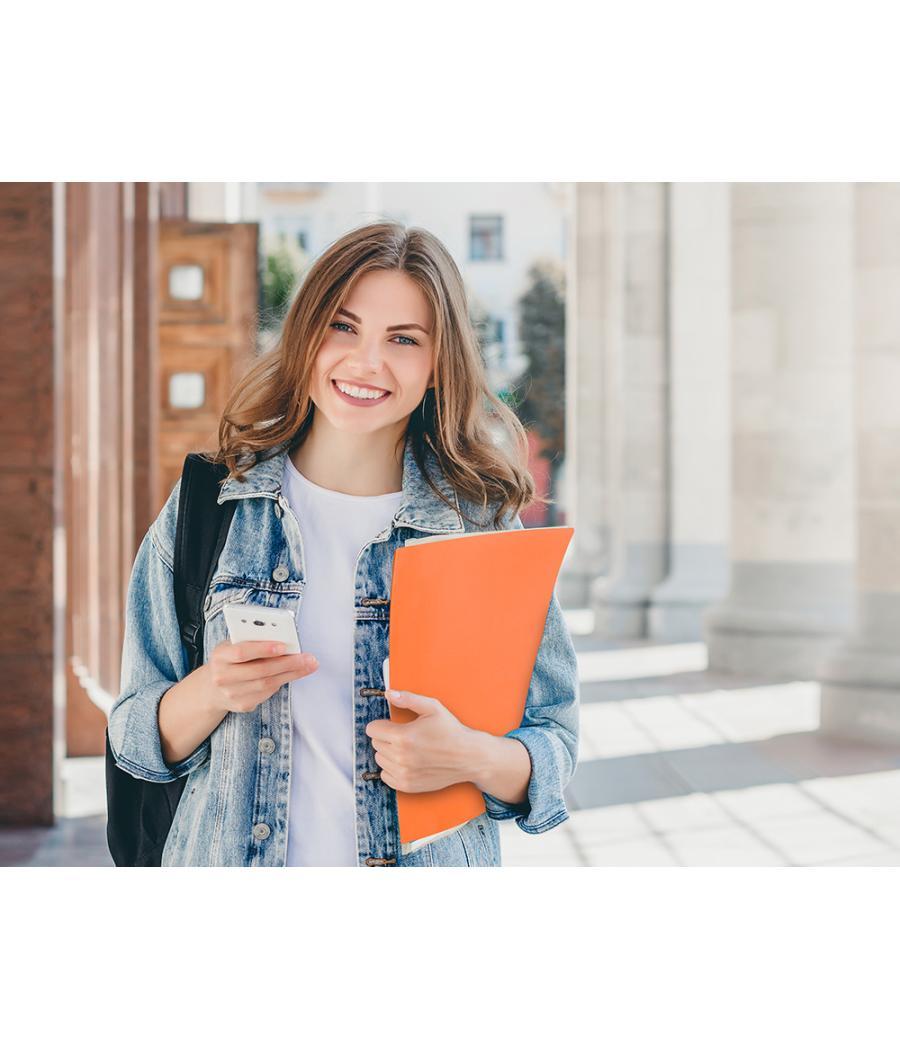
(340, 325)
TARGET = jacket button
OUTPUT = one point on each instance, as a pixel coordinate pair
(266, 745)
(261, 831)
(281, 574)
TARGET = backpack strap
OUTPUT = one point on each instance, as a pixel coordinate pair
(200, 533)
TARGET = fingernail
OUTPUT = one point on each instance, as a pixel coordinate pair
(279, 648)
(311, 661)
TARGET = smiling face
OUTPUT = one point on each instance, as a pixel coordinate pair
(380, 342)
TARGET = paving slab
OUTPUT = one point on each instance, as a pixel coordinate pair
(721, 846)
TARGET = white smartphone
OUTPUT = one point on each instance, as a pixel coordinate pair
(256, 623)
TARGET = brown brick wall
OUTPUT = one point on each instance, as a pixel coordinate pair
(97, 418)
(26, 496)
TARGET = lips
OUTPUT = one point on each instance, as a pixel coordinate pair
(360, 386)
(363, 402)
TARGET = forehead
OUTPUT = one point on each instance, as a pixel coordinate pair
(385, 295)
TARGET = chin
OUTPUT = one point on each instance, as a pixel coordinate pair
(364, 426)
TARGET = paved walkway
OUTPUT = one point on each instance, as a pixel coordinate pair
(682, 766)
(677, 766)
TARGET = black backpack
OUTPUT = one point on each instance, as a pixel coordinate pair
(140, 812)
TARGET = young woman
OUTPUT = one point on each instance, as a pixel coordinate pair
(371, 422)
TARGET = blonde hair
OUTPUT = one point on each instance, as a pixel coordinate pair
(480, 445)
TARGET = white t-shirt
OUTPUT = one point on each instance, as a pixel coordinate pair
(335, 528)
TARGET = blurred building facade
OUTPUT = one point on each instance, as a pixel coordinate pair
(494, 230)
(734, 431)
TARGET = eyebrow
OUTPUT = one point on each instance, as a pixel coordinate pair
(390, 328)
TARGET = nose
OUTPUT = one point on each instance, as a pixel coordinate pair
(366, 359)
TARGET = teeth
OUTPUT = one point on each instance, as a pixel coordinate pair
(355, 391)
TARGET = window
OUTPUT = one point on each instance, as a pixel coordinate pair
(187, 390)
(186, 282)
(485, 237)
(493, 330)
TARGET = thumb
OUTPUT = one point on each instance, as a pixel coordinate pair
(422, 705)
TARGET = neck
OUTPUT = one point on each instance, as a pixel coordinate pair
(355, 464)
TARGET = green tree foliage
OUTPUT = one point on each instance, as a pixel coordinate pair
(540, 394)
(278, 280)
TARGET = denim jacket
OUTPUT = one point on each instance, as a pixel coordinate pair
(234, 807)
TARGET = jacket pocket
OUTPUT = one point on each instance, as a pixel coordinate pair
(183, 842)
(215, 630)
(223, 593)
(481, 842)
(474, 845)
(489, 835)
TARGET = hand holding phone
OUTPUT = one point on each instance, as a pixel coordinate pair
(246, 671)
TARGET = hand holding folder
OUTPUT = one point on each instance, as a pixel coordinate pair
(467, 618)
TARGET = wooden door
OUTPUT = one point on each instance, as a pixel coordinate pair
(207, 333)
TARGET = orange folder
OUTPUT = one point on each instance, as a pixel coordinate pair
(467, 618)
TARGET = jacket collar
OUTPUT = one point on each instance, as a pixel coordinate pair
(419, 509)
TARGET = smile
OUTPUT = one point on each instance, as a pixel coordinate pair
(359, 395)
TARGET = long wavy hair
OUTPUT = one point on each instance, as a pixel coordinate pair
(480, 445)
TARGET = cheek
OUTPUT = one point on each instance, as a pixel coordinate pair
(327, 353)
(318, 377)
(413, 388)
(416, 372)
(326, 359)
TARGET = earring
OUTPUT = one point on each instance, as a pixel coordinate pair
(424, 425)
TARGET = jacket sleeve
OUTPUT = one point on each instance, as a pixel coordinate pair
(153, 658)
(549, 729)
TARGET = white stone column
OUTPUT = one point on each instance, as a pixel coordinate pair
(220, 202)
(593, 325)
(861, 680)
(206, 201)
(700, 409)
(792, 527)
(636, 434)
